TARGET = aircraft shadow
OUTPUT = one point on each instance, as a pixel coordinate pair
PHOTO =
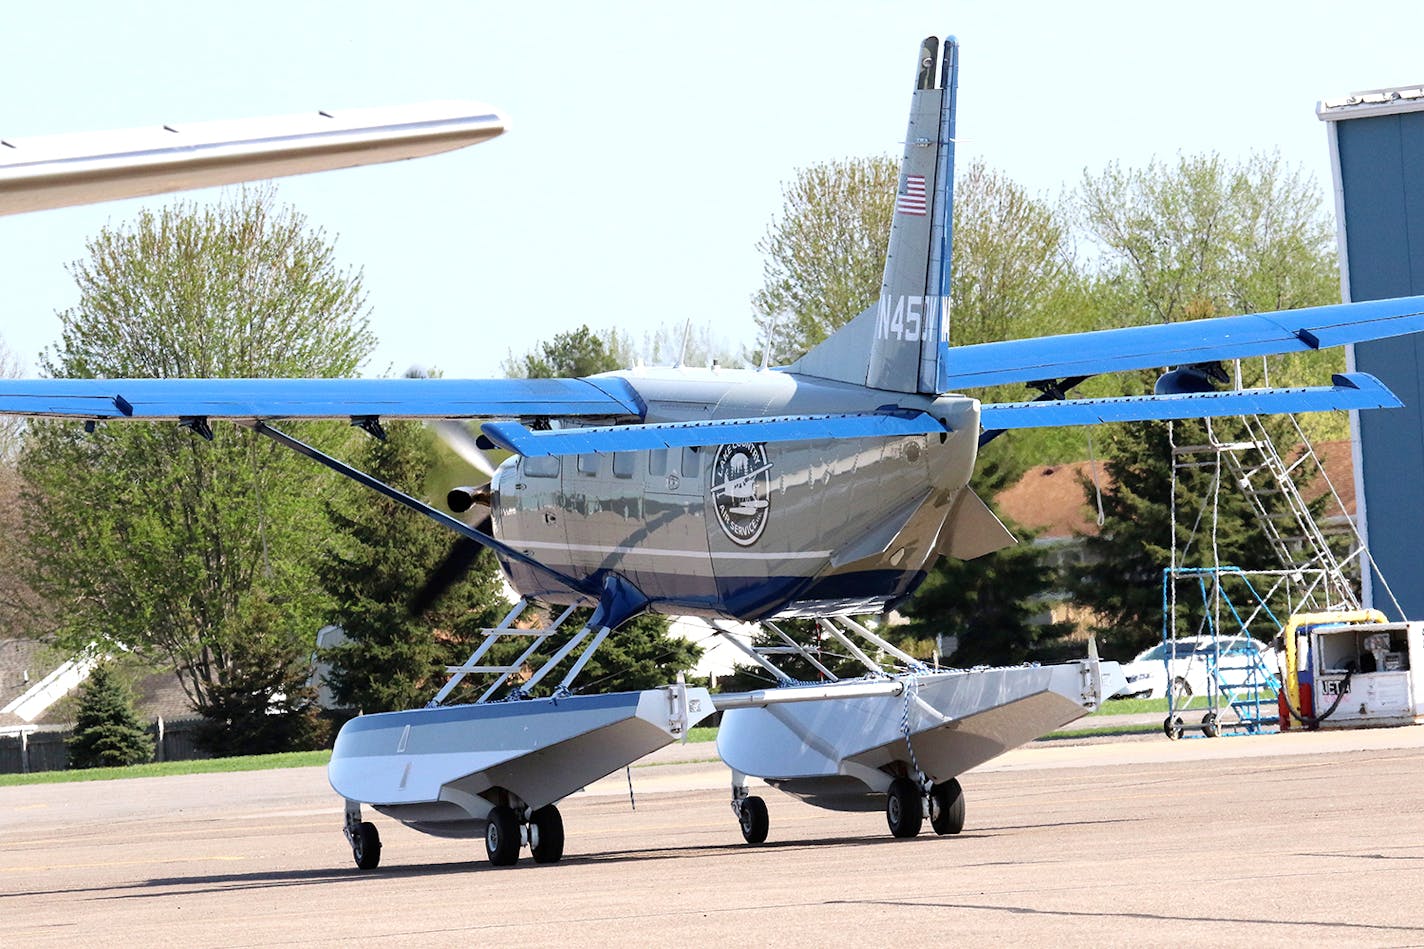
(272, 879)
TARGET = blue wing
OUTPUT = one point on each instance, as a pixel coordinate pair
(248, 399)
(1350, 391)
(1176, 344)
(788, 428)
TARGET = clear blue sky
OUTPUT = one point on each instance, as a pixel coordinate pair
(650, 141)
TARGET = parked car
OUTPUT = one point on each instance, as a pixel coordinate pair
(1185, 667)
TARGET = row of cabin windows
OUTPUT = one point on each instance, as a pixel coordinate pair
(685, 462)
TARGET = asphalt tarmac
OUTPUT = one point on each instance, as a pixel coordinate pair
(1302, 838)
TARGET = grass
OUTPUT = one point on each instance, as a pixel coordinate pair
(310, 759)
(291, 759)
(1139, 706)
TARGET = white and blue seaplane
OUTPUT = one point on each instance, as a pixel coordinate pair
(824, 489)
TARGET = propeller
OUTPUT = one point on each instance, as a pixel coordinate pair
(459, 440)
(473, 499)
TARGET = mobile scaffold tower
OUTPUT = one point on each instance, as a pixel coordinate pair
(1313, 576)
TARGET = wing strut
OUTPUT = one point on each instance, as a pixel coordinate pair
(420, 507)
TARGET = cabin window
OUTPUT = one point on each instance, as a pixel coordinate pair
(657, 462)
(690, 465)
(623, 464)
(588, 464)
(545, 467)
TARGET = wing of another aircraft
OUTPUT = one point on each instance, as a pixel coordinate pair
(1176, 344)
(64, 170)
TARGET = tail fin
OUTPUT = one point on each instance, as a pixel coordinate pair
(897, 343)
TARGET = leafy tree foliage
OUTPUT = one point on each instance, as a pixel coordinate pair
(1208, 236)
(577, 353)
(193, 553)
(1198, 238)
(825, 253)
(107, 730)
(22, 610)
(382, 554)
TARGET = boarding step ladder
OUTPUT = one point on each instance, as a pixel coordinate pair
(1236, 616)
(841, 629)
(537, 637)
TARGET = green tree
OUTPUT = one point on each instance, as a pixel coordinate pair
(824, 254)
(1206, 236)
(22, 610)
(155, 540)
(107, 731)
(577, 353)
(1122, 577)
(381, 555)
(1198, 238)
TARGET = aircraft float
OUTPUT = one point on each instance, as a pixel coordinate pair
(825, 489)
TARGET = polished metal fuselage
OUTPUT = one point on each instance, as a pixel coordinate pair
(745, 531)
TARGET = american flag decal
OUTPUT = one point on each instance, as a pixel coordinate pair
(912, 201)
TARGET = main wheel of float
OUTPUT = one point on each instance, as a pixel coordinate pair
(754, 820)
(502, 837)
(546, 836)
(904, 811)
(947, 807)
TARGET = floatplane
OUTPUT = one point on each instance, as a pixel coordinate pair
(825, 489)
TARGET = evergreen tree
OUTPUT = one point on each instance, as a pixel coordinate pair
(1122, 578)
(381, 555)
(107, 731)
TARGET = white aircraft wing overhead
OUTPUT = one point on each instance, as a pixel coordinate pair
(84, 168)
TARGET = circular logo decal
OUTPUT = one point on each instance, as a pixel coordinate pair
(741, 481)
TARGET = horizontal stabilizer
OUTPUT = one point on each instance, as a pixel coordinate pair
(64, 170)
(792, 428)
(247, 399)
(1351, 391)
(1177, 344)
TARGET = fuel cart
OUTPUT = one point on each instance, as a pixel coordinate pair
(1351, 669)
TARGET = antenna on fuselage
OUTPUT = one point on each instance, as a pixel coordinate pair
(686, 334)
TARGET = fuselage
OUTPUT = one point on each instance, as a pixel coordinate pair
(746, 531)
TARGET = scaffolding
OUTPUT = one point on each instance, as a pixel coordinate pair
(1312, 577)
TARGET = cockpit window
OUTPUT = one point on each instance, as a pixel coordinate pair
(545, 467)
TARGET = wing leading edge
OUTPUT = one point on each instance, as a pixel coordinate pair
(1176, 344)
(255, 399)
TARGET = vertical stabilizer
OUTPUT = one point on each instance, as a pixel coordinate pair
(897, 344)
